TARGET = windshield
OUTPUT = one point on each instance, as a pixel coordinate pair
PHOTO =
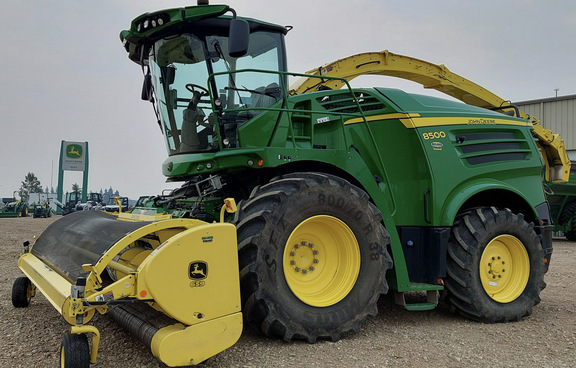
(180, 67)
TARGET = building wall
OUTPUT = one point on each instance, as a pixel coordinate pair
(557, 114)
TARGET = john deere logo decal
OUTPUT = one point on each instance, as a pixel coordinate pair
(198, 270)
(74, 151)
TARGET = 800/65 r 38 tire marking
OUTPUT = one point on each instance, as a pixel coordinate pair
(313, 257)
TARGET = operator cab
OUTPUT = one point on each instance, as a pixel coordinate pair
(205, 84)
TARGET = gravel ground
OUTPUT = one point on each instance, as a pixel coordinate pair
(395, 337)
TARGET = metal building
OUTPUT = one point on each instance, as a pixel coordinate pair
(557, 114)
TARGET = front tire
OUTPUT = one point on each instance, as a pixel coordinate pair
(22, 292)
(313, 257)
(495, 266)
(75, 351)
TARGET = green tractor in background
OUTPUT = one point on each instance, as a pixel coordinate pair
(562, 198)
(14, 208)
(41, 209)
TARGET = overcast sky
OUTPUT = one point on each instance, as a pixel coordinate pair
(66, 76)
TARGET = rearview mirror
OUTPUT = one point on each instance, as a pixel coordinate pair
(147, 88)
(239, 37)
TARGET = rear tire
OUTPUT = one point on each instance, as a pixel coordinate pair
(313, 257)
(74, 351)
(566, 218)
(22, 292)
(495, 266)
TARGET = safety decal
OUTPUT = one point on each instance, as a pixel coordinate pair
(105, 297)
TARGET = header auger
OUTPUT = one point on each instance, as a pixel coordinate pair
(343, 195)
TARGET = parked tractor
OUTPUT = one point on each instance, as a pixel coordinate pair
(300, 205)
(41, 209)
(14, 207)
(69, 205)
(93, 202)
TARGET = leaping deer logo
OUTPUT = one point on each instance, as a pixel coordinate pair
(74, 151)
(198, 270)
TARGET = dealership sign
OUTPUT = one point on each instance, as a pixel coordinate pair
(74, 156)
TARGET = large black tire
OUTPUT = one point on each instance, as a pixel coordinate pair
(313, 257)
(495, 266)
(75, 351)
(22, 292)
(567, 217)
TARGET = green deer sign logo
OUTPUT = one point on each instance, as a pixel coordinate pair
(74, 151)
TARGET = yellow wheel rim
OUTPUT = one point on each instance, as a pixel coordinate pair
(504, 268)
(321, 261)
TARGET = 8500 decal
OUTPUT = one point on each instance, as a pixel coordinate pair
(434, 135)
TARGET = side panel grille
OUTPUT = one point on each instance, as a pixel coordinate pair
(486, 147)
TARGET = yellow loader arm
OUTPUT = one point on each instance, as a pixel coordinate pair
(437, 77)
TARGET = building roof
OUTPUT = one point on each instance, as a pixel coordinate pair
(548, 99)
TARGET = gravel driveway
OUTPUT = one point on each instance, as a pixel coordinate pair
(395, 337)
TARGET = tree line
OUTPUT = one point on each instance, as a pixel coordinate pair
(31, 184)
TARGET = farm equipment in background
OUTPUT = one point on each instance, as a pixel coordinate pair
(94, 201)
(69, 205)
(14, 208)
(142, 200)
(343, 195)
(41, 209)
(117, 204)
(562, 199)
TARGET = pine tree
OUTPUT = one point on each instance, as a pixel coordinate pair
(31, 184)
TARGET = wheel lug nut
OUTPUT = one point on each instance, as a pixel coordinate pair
(292, 263)
(292, 254)
(316, 261)
(316, 252)
(297, 269)
(312, 268)
(304, 272)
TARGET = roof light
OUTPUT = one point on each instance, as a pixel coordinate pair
(152, 22)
